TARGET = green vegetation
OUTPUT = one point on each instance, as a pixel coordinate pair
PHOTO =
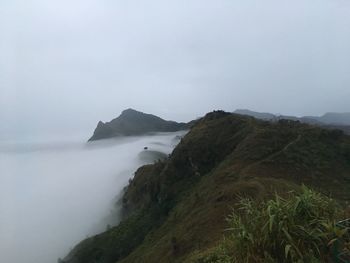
(116, 242)
(300, 228)
(185, 199)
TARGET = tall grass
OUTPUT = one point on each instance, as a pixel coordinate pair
(299, 229)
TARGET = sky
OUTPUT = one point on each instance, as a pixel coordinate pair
(66, 64)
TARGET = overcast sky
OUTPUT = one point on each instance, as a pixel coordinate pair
(65, 64)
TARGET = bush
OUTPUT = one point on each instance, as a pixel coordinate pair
(218, 255)
(298, 229)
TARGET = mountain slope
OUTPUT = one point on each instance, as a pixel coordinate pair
(132, 122)
(178, 207)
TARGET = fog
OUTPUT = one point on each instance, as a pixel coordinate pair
(66, 64)
(54, 194)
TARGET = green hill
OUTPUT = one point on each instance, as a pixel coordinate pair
(132, 122)
(177, 208)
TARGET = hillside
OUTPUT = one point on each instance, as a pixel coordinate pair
(132, 122)
(177, 208)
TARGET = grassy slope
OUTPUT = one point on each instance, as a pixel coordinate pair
(179, 206)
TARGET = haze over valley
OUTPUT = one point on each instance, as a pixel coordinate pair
(54, 194)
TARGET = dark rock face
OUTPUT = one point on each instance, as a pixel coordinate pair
(132, 122)
(102, 131)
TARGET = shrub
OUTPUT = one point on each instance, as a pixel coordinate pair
(297, 229)
(218, 254)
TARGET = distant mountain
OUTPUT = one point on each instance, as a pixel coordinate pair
(132, 122)
(333, 118)
(339, 121)
(258, 115)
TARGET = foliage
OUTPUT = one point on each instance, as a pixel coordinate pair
(297, 229)
(117, 242)
(218, 254)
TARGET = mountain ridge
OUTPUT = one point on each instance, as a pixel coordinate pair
(132, 122)
(177, 207)
(330, 120)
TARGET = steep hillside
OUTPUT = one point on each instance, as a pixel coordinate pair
(177, 207)
(132, 122)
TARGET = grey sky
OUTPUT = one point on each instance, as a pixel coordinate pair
(65, 64)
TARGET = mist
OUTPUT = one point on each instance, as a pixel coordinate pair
(67, 64)
(85, 61)
(54, 194)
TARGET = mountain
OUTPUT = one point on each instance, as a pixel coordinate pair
(333, 118)
(132, 122)
(258, 115)
(177, 208)
(339, 121)
(273, 117)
